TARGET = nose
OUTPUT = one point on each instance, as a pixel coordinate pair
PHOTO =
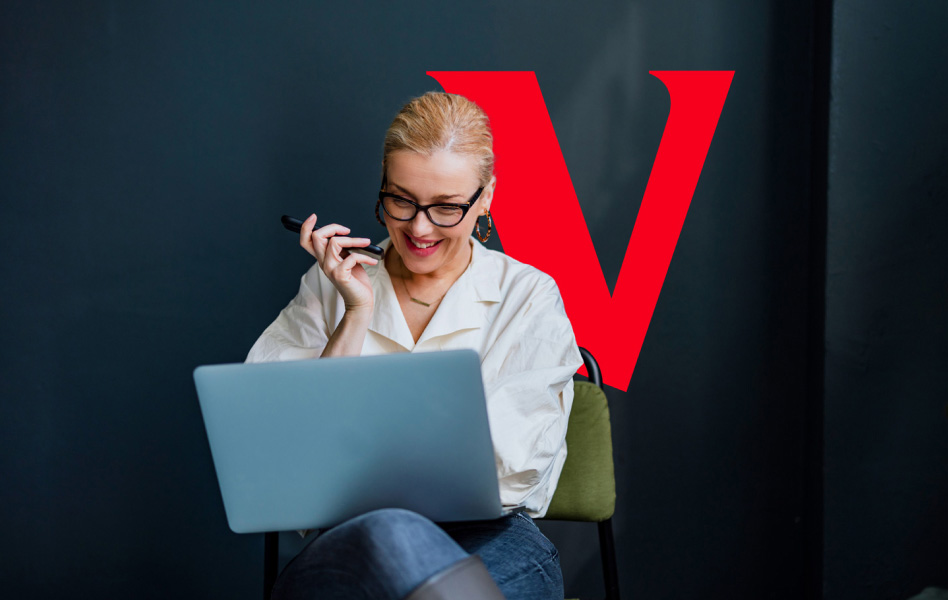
(421, 225)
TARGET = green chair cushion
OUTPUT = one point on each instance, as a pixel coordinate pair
(587, 486)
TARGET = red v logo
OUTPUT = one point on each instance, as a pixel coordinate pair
(556, 240)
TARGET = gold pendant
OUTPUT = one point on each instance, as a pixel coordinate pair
(416, 300)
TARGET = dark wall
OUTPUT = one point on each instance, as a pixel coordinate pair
(147, 149)
(886, 298)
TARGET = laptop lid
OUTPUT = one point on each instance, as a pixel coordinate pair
(308, 444)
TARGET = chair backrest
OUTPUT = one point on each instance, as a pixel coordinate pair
(587, 487)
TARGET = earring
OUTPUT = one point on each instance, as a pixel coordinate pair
(477, 227)
(377, 217)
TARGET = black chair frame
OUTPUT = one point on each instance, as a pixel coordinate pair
(607, 544)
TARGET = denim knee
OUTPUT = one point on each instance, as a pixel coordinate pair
(391, 531)
(382, 554)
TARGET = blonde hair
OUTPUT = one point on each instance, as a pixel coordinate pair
(440, 121)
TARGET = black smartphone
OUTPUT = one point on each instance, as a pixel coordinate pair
(370, 250)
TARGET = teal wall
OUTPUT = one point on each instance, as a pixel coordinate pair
(886, 427)
(147, 150)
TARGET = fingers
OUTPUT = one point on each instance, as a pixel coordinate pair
(337, 244)
(350, 242)
(306, 234)
(318, 242)
(343, 271)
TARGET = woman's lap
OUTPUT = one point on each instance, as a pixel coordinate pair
(381, 554)
(518, 556)
(387, 553)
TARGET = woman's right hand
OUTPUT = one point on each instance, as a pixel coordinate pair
(327, 244)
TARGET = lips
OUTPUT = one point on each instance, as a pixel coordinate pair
(421, 247)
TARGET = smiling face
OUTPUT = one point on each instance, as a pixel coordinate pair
(444, 176)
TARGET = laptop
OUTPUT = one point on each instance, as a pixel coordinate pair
(308, 444)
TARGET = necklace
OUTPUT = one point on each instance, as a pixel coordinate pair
(416, 300)
(407, 291)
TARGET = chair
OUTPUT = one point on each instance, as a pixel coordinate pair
(586, 490)
(587, 487)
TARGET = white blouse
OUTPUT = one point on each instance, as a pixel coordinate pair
(510, 313)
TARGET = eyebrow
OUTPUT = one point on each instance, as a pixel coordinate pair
(436, 198)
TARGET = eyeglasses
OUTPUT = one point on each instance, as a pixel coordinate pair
(443, 215)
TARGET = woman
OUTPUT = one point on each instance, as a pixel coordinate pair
(436, 288)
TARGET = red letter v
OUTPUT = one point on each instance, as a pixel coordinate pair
(556, 240)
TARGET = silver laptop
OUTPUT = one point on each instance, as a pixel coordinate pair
(308, 444)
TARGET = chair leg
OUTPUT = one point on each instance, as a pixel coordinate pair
(271, 561)
(607, 548)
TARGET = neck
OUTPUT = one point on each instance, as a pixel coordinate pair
(436, 280)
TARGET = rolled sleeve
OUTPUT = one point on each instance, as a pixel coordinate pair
(301, 330)
(530, 397)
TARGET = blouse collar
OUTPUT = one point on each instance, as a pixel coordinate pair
(464, 306)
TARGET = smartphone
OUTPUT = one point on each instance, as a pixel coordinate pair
(370, 250)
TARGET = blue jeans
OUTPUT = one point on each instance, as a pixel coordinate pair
(385, 554)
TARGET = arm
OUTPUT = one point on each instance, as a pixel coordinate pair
(310, 325)
(349, 336)
(528, 375)
(302, 329)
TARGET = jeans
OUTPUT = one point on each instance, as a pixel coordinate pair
(385, 554)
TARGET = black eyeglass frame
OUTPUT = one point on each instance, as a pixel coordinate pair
(465, 207)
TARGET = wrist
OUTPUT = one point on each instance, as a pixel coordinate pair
(359, 313)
